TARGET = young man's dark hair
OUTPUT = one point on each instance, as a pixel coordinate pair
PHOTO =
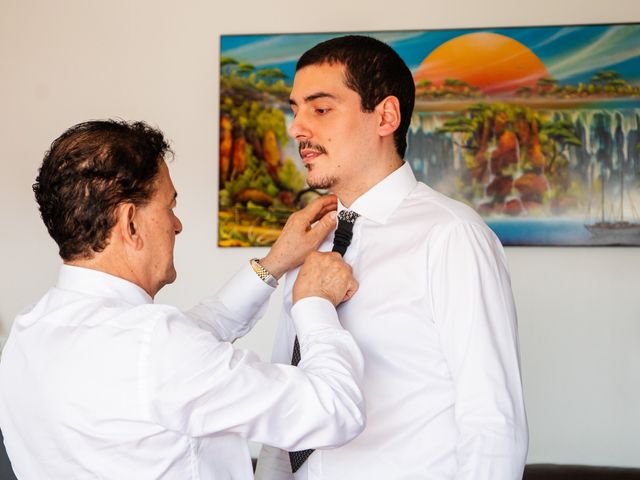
(89, 170)
(373, 70)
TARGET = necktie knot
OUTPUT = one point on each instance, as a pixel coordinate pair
(344, 232)
(347, 216)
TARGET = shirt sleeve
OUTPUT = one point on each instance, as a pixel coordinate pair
(200, 385)
(236, 308)
(473, 309)
(273, 463)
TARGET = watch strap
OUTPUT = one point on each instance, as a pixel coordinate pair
(263, 273)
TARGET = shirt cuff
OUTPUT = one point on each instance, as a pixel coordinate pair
(313, 314)
(245, 293)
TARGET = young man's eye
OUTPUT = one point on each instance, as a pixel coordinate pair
(322, 111)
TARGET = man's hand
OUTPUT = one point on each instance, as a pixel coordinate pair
(299, 237)
(326, 275)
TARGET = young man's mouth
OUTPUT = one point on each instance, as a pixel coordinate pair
(309, 155)
(309, 151)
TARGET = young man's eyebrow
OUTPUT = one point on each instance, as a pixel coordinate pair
(313, 96)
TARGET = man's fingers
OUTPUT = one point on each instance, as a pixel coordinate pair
(326, 224)
(324, 274)
(351, 290)
(318, 208)
(325, 207)
(298, 237)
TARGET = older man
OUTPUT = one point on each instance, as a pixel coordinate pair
(97, 381)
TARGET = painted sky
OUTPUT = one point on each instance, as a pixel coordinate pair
(571, 54)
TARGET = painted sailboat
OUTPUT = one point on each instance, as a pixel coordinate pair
(620, 231)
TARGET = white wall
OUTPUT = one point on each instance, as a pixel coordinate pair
(67, 61)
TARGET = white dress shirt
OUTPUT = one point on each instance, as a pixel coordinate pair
(96, 381)
(435, 320)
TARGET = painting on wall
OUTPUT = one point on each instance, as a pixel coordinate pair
(536, 128)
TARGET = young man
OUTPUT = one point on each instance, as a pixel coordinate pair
(434, 314)
(97, 381)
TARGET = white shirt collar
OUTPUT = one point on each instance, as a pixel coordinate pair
(100, 284)
(381, 200)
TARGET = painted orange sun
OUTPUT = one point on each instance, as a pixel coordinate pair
(495, 63)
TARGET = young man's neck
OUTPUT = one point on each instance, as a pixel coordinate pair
(350, 193)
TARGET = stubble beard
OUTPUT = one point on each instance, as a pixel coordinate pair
(325, 182)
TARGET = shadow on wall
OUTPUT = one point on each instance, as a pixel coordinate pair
(6, 473)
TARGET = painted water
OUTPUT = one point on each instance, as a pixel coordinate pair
(538, 177)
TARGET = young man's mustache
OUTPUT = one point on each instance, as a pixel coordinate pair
(307, 145)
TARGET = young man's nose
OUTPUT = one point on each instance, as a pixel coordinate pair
(298, 128)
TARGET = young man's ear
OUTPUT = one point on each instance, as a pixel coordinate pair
(127, 225)
(389, 114)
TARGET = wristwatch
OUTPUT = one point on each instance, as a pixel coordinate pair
(263, 273)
